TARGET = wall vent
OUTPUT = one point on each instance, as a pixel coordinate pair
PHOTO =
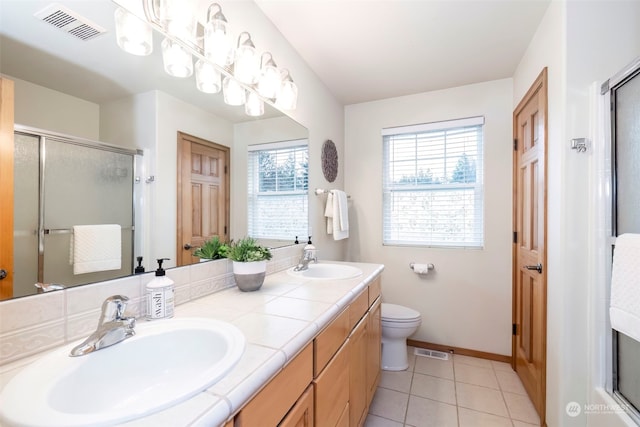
(69, 22)
(424, 352)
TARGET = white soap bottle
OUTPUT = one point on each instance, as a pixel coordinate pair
(159, 293)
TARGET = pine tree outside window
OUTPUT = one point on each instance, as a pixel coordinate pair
(278, 184)
(433, 191)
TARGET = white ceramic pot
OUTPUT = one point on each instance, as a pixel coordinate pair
(249, 276)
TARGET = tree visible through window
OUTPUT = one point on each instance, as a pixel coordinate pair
(433, 189)
(278, 176)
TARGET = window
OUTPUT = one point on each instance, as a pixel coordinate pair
(278, 190)
(433, 184)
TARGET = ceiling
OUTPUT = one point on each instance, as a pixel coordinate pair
(364, 50)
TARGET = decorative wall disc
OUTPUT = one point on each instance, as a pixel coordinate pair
(329, 160)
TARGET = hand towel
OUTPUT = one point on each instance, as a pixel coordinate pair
(328, 212)
(96, 248)
(343, 209)
(338, 232)
(625, 286)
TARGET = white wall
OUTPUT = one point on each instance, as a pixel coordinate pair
(591, 40)
(44, 108)
(466, 302)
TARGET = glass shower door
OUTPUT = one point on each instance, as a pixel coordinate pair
(84, 186)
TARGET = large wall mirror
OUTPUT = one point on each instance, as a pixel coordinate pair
(92, 90)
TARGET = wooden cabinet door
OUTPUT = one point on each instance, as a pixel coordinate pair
(332, 389)
(358, 372)
(301, 415)
(374, 348)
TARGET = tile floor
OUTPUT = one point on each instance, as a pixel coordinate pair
(460, 392)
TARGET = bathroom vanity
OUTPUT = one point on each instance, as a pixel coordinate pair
(312, 354)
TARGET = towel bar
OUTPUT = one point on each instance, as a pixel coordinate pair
(320, 191)
(70, 230)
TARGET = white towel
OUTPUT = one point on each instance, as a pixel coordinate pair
(340, 215)
(328, 212)
(625, 286)
(96, 248)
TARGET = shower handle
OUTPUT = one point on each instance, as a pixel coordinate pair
(3, 274)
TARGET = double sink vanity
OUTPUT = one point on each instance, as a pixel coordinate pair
(303, 350)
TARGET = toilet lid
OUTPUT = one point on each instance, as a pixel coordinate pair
(398, 313)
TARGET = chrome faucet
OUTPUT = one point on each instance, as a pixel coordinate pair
(113, 327)
(309, 254)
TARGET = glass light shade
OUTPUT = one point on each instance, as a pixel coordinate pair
(133, 34)
(218, 44)
(208, 79)
(177, 61)
(254, 106)
(287, 95)
(269, 81)
(178, 18)
(234, 94)
(247, 66)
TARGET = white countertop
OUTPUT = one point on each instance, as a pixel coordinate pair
(278, 320)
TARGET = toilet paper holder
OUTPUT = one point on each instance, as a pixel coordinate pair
(429, 266)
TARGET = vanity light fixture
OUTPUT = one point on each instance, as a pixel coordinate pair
(218, 44)
(133, 34)
(177, 61)
(178, 18)
(269, 81)
(208, 78)
(233, 92)
(287, 97)
(247, 64)
(254, 106)
(247, 78)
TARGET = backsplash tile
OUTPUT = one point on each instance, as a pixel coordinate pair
(41, 322)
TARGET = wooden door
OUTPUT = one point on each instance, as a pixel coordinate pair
(374, 348)
(529, 254)
(203, 195)
(358, 373)
(6, 188)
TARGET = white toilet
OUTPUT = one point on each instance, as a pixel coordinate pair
(398, 323)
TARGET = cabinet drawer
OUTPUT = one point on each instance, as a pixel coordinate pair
(375, 288)
(273, 402)
(332, 389)
(358, 308)
(301, 415)
(329, 341)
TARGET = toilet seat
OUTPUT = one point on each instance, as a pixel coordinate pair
(394, 313)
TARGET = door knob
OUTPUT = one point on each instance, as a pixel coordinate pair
(3, 274)
(537, 267)
(187, 246)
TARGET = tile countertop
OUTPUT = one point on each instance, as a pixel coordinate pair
(278, 321)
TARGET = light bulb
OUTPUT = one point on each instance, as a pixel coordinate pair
(254, 106)
(218, 45)
(133, 35)
(207, 77)
(234, 93)
(177, 61)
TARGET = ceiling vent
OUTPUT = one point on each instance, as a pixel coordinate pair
(69, 22)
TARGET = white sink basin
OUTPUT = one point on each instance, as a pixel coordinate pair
(166, 362)
(327, 271)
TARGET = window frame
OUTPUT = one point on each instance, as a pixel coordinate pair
(253, 191)
(476, 240)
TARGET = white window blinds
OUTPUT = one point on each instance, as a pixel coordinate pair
(278, 190)
(433, 184)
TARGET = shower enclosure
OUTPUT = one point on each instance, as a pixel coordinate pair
(61, 182)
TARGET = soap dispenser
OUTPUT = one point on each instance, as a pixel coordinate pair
(160, 295)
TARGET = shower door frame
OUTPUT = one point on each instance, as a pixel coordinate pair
(45, 135)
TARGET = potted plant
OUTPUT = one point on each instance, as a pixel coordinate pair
(212, 249)
(249, 263)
